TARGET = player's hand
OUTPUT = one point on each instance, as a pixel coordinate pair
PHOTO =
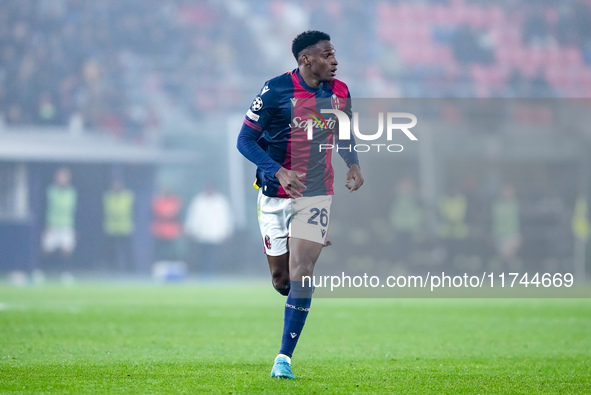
(354, 178)
(290, 181)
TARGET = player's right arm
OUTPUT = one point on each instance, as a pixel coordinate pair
(262, 109)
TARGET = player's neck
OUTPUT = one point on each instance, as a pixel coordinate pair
(309, 79)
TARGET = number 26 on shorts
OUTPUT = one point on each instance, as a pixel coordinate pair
(323, 214)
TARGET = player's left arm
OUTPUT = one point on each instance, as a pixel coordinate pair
(354, 177)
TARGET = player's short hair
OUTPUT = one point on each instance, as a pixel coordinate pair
(307, 39)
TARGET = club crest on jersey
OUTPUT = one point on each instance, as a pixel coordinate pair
(257, 104)
(267, 242)
(334, 101)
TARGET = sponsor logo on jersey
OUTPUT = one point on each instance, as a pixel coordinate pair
(314, 122)
(293, 101)
(317, 117)
(257, 104)
(252, 116)
(265, 90)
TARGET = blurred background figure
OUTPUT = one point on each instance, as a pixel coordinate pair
(581, 231)
(506, 226)
(208, 225)
(118, 207)
(59, 236)
(166, 226)
(406, 217)
(453, 229)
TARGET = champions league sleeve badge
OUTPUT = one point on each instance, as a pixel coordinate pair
(257, 104)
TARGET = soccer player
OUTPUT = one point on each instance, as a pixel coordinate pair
(295, 176)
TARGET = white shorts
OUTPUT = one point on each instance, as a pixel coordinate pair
(56, 238)
(303, 218)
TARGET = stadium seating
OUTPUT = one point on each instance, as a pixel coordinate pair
(562, 65)
(113, 73)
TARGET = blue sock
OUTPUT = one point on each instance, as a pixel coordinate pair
(296, 310)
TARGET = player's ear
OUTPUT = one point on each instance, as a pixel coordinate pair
(304, 60)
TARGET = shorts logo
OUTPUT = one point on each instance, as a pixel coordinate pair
(267, 242)
(257, 104)
(323, 232)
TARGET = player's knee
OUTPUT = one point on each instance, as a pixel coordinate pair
(282, 286)
(283, 291)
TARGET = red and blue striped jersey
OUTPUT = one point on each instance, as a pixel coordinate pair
(280, 113)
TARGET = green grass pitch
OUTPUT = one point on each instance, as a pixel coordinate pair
(195, 338)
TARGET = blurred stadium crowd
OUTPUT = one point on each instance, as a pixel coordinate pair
(61, 58)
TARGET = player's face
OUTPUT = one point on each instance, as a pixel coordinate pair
(322, 60)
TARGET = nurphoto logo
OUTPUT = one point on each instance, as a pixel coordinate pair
(391, 119)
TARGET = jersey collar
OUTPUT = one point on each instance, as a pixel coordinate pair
(306, 86)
